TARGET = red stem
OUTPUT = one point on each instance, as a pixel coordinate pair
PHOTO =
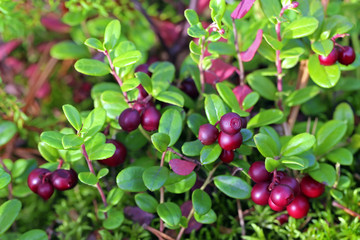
(241, 66)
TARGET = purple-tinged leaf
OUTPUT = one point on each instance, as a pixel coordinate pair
(138, 215)
(249, 54)
(7, 48)
(192, 224)
(242, 9)
(181, 167)
(219, 71)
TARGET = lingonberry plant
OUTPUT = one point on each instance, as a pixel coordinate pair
(213, 120)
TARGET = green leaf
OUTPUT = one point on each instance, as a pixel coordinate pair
(292, 52)
(266, 145)
(102, 173)
(94, 43)
(5, 178)
(34, 234)
(221, 48)
(69, 50)
(88, 178)
(114, 220)
(94, 122)
(49, 153)
(160, 141)
(250, 100)
(273, 42)
(271, 164)
(210, 153)
(171, 124)
(218, 8)
(201, 202)
(294, 162)
(214, 108)
(171, 97)
(265, 117)
(192, 148)
(92, 67)
(262, 85)
(52, 138)
(7, 131)
(229, 98)
(155, 177)
(127, 58)
(271, 9)
(324, 174)
(233, 187)
(191, 16)
(337, 24)
(208, 218)
(72, 141)
(301, 27)
(9, 210)
(73, 116)
(301, 96)
(194, 48)
(323, 47)
(101, 152)
(114, 196)
(246, 134)
(162, 76)
(170, 213)
(329, 135)
(146, 202)
(145, 81)
(298, 144)
(273, 134)
(130, 84)
(194, 121)
(196, 31)
(324, 76)
(112, 34)
(114, 103)
(129, 179)
(344, 112)
(180, 184)
(341, 155)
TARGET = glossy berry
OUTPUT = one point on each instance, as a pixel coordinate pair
(311, 188)
(63, 179)
(35, 178)
(299, 207)
(208, 134)
(292, 183)
(142, 93)
(275, 207)
(282, 195)
(188, 86)
(118, 157)
(150, 119)
(227, 156)
(129, 119)
(346, 55)
(283, 218)
(230, 123)
(329, 59)
(45, 190)
(258, 172)
(230, 142)
(260, 193)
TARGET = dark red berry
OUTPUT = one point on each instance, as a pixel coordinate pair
(208, 134)
(258, 172)
(275, 207)
(280, 175)
(282, 195)
(329, 59)
(243, 122)
(150, 119)
(188, 86)
(63, 179)
(260, 193)
(142, 93)
(230, 123)
(230, 142)
(311, 188)
(292, 183)
(129, 119)
(227, 156)
(35, 178)
(118, 157)
(346, 55)
(45, 190)
(143, 68)
(299, 207)
(283, 218)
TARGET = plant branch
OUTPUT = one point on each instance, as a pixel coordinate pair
(157, 233)
(200, 65)
(241, 217)
(162, 191)
(241, 66)
(183, 156)
(347, 210)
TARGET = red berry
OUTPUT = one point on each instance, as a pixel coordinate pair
(188, 86)
(143, 68)
(275, 207)
(280, 175)
(118, 157)
(227, 156)
(329, 59)
(230, 123)
(208, 134)
(230, 142)
(150, 119)
(292, 183)
(45, 190)
(258, 172)
(311, 188)
(35, 178)
(299, 207)
(283, 218)
(63, 179)
(282, 195)
(346, 55)
(142, 93)
(260, 193)
(129, 119)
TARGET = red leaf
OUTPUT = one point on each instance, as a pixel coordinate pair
(202, 5)
(219, 71)
(249, 54)
(53, 23)
(192, 224)
(181, 167)
(7, 48)
(242, 9)
(169, 31)
(240, 93)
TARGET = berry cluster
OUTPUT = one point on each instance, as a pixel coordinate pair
(229, 138)
(344, 54)
(42, 182)
(281, 191)
(119, 155)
